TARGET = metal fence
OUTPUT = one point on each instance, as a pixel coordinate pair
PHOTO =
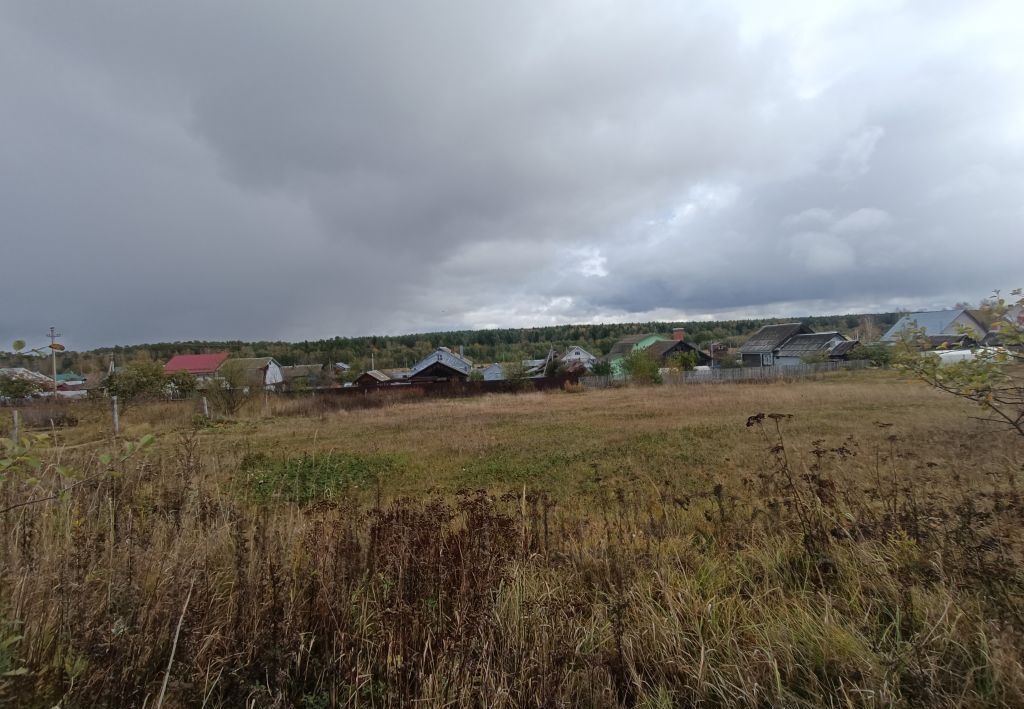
(735, 374)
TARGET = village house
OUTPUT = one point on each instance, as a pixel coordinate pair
(576, 356)
(202, 366)
(304, 376)
(70, 379)
(43, 382)
(788, 344)
(441, 365)
(254, 372)
(665, 350)
(626, 346)
(842, 350)
(492, 372)
(939, 326)
(801, 348)
(760, 349)
(662, 347)
(372, 377)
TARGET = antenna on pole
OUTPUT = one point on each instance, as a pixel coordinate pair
(53, 335)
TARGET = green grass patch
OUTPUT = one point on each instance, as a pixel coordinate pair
(507, 466)
(312, 477)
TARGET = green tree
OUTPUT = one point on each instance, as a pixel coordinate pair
(231, 390)
(137, 381)
(517, 373)
(683, 361)
(184, 383)
(601, 368)
(642, 367)
(878, 353)
(18, 388)
(515, 370)
(991, 378)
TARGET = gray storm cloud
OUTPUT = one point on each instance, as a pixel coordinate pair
(226, 169)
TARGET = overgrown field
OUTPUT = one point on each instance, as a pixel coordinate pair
(851, 541)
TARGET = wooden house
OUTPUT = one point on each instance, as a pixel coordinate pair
(441, 365)
(760, 349)
(253, 372)
(800, 348)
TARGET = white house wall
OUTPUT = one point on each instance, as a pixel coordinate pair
(274, 374)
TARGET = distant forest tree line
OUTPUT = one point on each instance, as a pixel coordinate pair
(481, 346)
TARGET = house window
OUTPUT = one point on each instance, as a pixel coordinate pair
(766, 360)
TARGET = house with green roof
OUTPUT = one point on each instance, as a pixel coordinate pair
(661, 346)
(70, 379)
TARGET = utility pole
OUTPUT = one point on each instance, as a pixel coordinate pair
(53, 335)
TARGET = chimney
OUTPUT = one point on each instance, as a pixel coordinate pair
(679, 334)
(462, 351)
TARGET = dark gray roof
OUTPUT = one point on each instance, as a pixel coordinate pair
(770, 337)
(626, 345)
(843, 348)
(807, 344)
(446, 357)
(375, 374)
(662, 348)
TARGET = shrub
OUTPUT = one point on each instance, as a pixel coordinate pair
(683, 361)
(878, 353)
(642, 367)
(137, 381)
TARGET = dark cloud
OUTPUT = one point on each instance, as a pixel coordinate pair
(212, 170)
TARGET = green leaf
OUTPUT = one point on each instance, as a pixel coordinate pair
(105, 458)
(33, 463)
(146, 440)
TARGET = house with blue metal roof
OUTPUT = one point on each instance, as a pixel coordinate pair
(441, 364)
(936, 324)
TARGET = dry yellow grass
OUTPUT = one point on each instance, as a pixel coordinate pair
(568, 443)
(634, 547)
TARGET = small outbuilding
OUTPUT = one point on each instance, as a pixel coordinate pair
(371, 378)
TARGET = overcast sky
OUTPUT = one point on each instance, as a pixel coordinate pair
(267, 170)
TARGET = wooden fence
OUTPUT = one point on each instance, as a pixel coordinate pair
(735, 375)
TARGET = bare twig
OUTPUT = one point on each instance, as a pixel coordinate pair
(174, 646)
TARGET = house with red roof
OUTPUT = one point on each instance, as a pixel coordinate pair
(201, 366)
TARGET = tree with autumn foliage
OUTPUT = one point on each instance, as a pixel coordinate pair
(992, 377)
